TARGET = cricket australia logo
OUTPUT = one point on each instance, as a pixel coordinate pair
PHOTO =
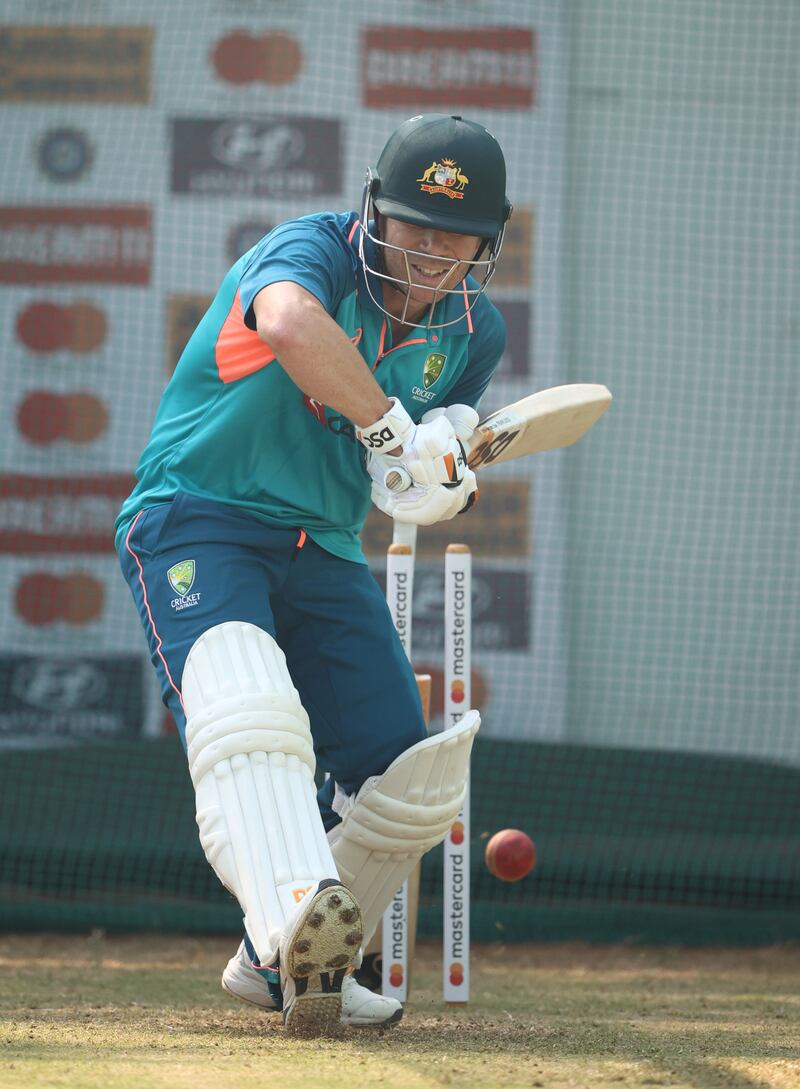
(181, 579)
(444, 177)
(431, 373)
(432, 370)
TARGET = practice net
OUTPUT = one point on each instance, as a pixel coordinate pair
(635, 634)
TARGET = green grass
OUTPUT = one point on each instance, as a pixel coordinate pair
(149, 1012)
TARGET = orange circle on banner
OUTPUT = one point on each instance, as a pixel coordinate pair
(237, 58)
(243, 58)
(83, 599)
(39, 598)
(86, 417)
(281, 58)
(456, 974)
(40, 326)
(88, 327)
(42, 417)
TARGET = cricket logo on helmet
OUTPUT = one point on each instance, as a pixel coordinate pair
(428, 158)
(447, 179)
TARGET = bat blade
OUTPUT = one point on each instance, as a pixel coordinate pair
(546, 420)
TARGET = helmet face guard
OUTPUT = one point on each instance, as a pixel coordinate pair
(447, 174)
(470, 295)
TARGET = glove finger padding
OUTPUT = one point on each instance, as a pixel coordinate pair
(464, 419)
(433, 456)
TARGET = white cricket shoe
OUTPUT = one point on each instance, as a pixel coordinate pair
(315, 952)
(361, 1008)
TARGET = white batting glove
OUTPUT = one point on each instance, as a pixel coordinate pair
(430, 463)
(464, 419)
(424, 505)
(426, 453)
(393, 429)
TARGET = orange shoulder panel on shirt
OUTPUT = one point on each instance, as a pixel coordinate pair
(239, 351)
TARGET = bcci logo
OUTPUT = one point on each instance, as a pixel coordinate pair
(444, 177)
(181, 579)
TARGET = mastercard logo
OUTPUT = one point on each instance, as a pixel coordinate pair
(43, 598)
(396, 975)
(457, 833)
(456, 974)
(439, 687)
(46, 327)
(44, 417)
(457, 691)
(265, 58)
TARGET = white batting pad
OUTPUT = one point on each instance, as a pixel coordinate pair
(395, 818)
(252, 763)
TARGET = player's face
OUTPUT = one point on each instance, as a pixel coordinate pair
(440, 261)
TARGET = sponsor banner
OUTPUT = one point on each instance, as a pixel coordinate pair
(457, 634)
(457, 699)
(498, 526)
(64, 154)
(257, 156)
(183, 315)
(242, 58)
(516, 361)
(394, 938)
(49, 699)
(75, 598)
(63, 64)
(399, 590)
(425, 66)
(44, 417)
(53, 514)
(515, 265)
(105, 244)
(456, 904)
(500, 609)
(44, 326)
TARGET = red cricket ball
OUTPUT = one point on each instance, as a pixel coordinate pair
(510, 855)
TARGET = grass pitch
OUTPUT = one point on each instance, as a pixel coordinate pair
(125, 1012)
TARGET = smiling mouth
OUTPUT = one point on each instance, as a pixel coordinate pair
(436, 274)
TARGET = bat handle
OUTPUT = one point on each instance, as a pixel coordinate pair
(405, 533)
(397, 480)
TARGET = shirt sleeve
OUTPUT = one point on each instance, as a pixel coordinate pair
(308, 252)
(486, 346)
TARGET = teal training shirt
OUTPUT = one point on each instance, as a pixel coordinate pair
(232, 426)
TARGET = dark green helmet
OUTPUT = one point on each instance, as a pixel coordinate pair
(443, 172)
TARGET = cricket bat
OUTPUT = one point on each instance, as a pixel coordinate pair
(546, 420)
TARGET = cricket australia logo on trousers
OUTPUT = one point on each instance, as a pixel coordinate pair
(181, 579)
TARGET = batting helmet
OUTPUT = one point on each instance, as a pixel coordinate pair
(446, 173)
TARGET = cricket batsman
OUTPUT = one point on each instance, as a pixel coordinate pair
(339, 347)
